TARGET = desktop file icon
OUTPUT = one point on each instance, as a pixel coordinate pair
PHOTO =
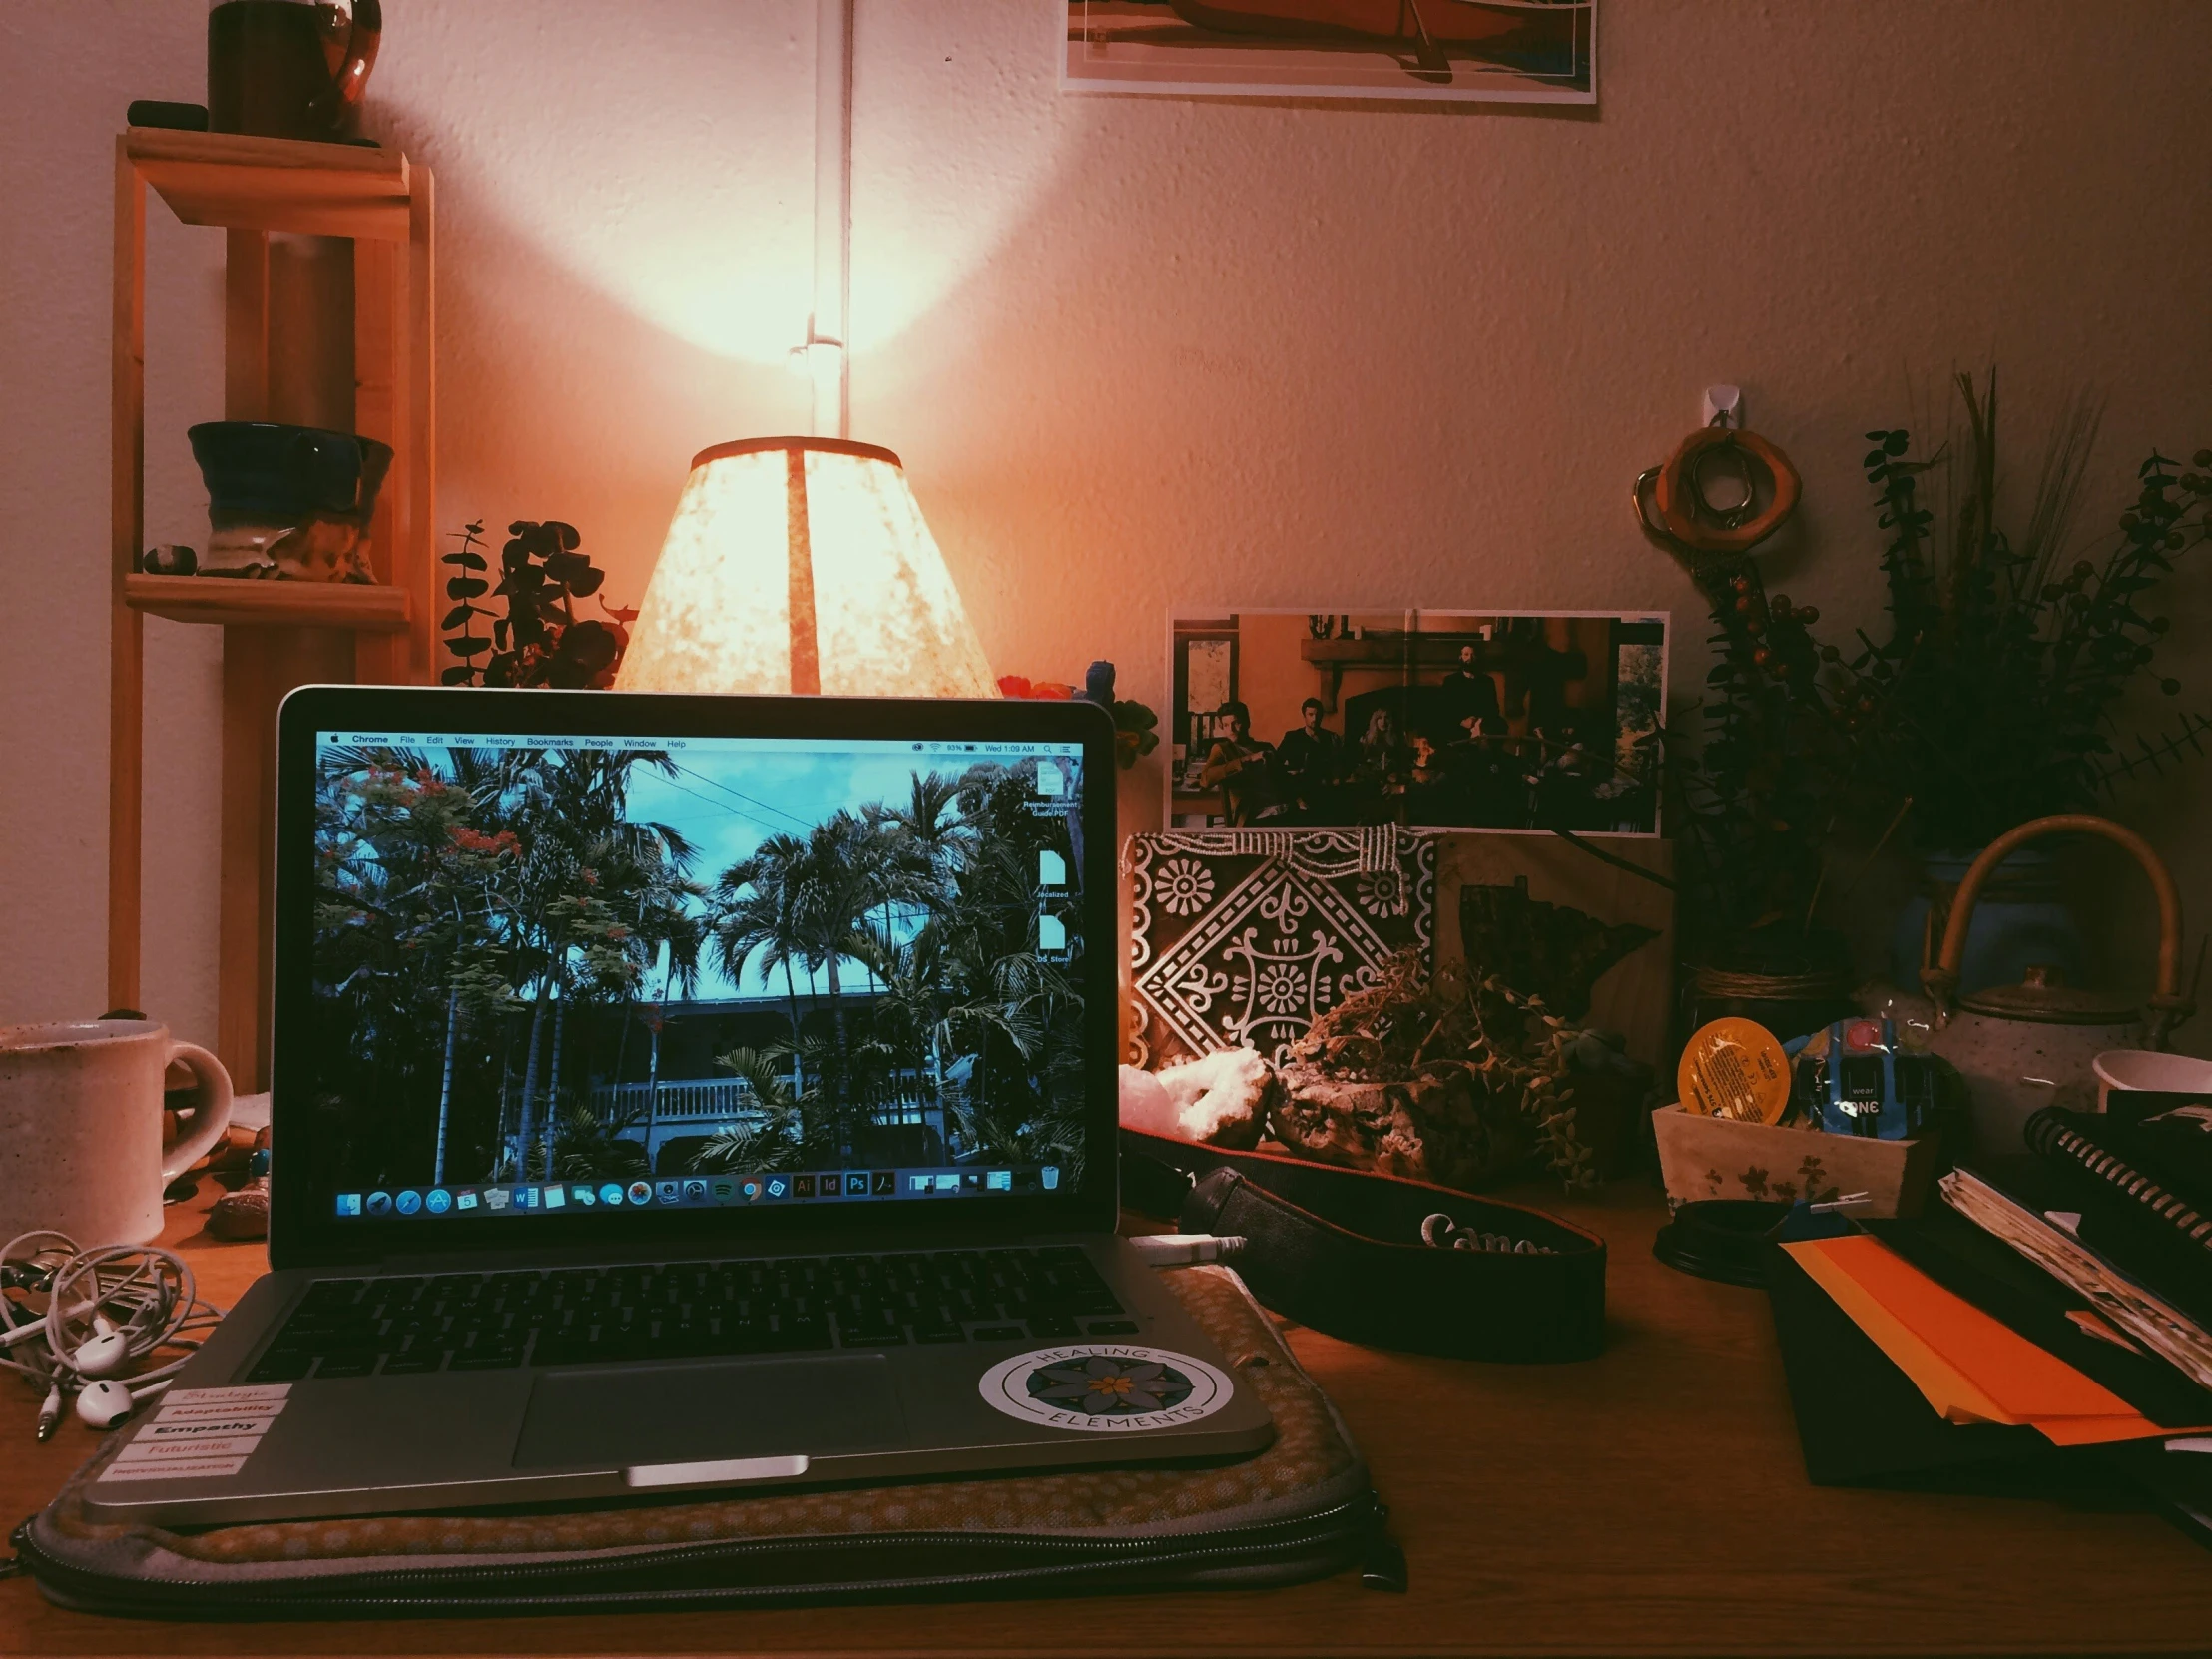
(1052, 869)
(1050, 778)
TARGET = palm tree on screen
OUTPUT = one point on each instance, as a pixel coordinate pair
(588, 903)
(843, 875)
(757, 914)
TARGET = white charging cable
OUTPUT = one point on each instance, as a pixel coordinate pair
(73, 1320)
(1182, 1250)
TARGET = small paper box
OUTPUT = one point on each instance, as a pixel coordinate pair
(1702, 1157)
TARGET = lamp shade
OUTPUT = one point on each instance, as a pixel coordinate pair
(802, 565)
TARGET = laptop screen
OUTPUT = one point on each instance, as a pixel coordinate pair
(601, 974)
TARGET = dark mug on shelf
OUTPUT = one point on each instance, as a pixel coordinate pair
(289, 501)
(292, 69)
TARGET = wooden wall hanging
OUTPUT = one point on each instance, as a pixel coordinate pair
(1674, 509)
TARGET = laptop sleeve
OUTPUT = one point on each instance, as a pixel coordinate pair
(1302, 1509)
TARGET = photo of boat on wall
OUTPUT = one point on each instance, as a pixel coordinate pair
(1502, 51)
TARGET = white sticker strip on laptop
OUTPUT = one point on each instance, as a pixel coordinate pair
(232, 1422)
(199, 1433)
(158, 1432)
(196, 1468)
(271, 1395)
(198, 1405)
(144, 1451)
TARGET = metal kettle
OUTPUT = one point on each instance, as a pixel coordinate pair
(2022, 1047)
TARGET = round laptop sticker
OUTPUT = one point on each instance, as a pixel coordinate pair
(1104, 1390)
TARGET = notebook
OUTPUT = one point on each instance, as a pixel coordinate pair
(2145, 1174)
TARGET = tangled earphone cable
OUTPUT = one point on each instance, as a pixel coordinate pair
(102, 1309)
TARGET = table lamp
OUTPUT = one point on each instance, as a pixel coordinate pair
(802, 565)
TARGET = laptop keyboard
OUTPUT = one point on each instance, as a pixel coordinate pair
(688, 1309)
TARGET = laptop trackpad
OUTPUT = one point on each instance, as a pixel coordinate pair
(728, 1409)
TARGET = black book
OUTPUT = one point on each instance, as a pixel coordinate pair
(2131, 1273)
(2141, 1178)
(2165, 1138)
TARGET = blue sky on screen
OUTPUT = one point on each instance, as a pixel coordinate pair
(728, 803)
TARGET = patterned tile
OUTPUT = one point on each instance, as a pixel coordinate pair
(1239, 937)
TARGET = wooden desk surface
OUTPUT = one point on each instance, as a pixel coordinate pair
(1651, 1501)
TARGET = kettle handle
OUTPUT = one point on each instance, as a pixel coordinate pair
(351, 78)
(2168, 1006)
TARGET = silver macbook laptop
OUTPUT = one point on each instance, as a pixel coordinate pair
(683, 1093)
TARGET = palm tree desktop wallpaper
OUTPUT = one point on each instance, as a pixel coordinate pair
(705, 969)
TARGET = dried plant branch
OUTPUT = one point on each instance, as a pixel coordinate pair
(1413, 1027)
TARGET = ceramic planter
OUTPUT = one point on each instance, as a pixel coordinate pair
(1702, 1157)
(294, 502)
(2021, 920)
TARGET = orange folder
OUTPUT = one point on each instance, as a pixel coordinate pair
(1968, 1365)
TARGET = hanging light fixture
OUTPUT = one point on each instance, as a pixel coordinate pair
(802, 565)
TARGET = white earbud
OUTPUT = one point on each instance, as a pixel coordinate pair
(51, 1346)
(104, 1405)
(103, 1352)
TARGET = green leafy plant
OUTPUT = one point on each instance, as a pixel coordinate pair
(1760, 797)
(1136, 727)
(589, 1148)
(468, 902)
(778, 1139)
(928, 899)
(1992, 700)
(1136, 731)
(540, 640)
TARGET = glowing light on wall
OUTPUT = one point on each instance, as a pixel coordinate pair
(664, 157)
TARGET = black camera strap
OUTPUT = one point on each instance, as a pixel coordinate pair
(1379, 1260)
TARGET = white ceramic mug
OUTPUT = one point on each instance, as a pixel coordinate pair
(81, 1127)
(2140, 1068)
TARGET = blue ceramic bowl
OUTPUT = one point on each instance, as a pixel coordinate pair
(264, 471)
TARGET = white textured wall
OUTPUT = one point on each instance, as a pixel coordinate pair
(1134, 350)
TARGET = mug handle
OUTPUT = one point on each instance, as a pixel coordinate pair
(212, 1117)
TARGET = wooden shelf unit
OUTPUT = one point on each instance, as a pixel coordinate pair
(257, 184)
(247, 604)
(277, 635)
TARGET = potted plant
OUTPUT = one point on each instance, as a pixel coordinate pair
(540, 640)
(1991, 700)
(1757, 801)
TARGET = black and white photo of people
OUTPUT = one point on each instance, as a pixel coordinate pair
(1430, 719)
